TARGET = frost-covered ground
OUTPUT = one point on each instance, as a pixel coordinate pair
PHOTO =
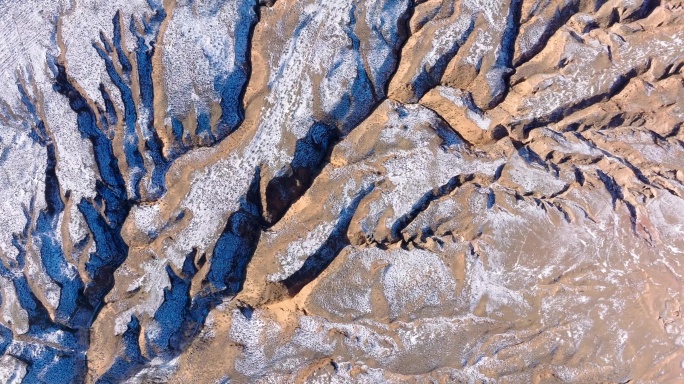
(341, 191)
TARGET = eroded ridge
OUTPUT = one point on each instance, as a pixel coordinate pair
(342, 191)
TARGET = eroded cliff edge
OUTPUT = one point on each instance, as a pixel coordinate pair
(346, 191)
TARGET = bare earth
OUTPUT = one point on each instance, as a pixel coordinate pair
(342, 191)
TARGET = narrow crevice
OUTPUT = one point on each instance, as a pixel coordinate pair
(231, 88)
(165, 336)
(46, 229)
(559, 19)
(563, 111)
(424, 202)
(326, 253)
(616, 194)
(70, 324)
(144, 53)
(230, 98)
(237, 243)
(404, 34)
(505, 58)
(312, 153)
(635, 170)
(111, 197)
(181, 317)
(129, 359)
(430, 78)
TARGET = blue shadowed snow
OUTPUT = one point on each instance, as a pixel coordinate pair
(129, 360)
(109, 115)
(237, 243)
(134, 159)
(311, 150)
(163, 339)
(309, 158)
(385, 41)
(5, 338)
(204, 127)
(47, 229)
(111, 252)
(107, 163)
(143, 55)
(48, 364)
(510, 33)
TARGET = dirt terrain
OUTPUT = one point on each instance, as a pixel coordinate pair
(342, 191)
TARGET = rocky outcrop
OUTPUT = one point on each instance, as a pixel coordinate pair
(352, 191)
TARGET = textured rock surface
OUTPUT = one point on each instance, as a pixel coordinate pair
(341, 191)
